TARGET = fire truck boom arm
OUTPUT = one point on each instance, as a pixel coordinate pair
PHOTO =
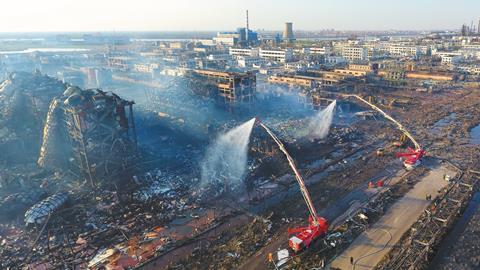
(400, 126)
(301, 183)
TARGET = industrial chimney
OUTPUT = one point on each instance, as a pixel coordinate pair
(478, 27)
(288, 32)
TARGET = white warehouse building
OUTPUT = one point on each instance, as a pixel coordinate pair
(404, 50)
(355, 53)
(281, 55)
(251, 52)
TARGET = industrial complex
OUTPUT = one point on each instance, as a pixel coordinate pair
(246, 149)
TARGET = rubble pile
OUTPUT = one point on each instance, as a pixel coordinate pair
(139, 214)
(344, 134)
(228, 252)
(86, 229)
(92, 134)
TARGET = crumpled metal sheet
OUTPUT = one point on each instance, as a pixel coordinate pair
(148, 193)
(38, 212)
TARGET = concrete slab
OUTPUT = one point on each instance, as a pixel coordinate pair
(372, 245)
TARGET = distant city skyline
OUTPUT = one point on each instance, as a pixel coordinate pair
(218, 15)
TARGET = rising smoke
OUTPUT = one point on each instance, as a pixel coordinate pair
(226, 159)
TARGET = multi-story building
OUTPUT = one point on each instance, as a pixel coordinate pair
(280, 55)
(451, 59)
(145, 68)
(351, 72)
(247, 61)
(352, 53)
(119, 62)
(363, 67)
(252, 52)
(301, 81)
(229, 87)
(334, 60)
(392, 74)
(319, 50)
(226, 38)
(470, 69)
(404, 50)
(204, 49)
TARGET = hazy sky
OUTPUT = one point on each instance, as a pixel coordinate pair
(174, 15)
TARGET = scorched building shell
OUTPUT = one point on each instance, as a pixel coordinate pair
(228, 87)
(100, 129)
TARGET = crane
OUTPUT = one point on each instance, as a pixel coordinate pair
(317, 226)
(412, 156)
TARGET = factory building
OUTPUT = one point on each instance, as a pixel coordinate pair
(243, 37)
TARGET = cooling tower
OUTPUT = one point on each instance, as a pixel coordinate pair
(288, 32)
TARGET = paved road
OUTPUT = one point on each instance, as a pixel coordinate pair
(372, 245)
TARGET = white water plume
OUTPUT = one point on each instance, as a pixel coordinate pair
(319, 125)
(226, 159)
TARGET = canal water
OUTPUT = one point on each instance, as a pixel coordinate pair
(440, 124)
(475, 135)
(448, 243)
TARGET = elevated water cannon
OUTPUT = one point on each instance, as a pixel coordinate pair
(317, 226)
(412, 156)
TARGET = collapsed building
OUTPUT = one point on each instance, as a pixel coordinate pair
(91, 130)
(24, 102)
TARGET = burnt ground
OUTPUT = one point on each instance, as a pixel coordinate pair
(450, 142)
(232, 244)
